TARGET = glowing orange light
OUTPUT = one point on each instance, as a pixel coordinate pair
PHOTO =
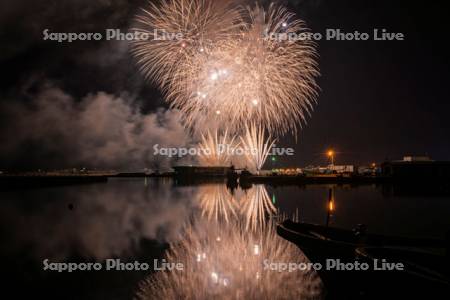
(331, 206)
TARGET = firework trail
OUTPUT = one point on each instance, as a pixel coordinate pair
(217, 149)
(256, 146)
(233, 66)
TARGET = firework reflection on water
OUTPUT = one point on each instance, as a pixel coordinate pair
(225, 251)
(256, 206)
(224, 261)
(217, 203)
(253, 207)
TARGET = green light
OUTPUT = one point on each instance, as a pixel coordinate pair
(274, 158)
(274, 199)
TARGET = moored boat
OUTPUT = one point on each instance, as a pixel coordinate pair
(330, 242)
(425, 261)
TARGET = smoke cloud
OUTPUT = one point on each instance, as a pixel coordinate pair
(100, 130)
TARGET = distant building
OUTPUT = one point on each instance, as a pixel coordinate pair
(417, 158)
(416, 167)
(331, 169)
(312, 170)
(288, 172)
(344, 169)
(369, 170)
(195, 171)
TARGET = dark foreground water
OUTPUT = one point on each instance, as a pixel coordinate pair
(221, 237)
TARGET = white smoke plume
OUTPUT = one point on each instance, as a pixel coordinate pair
(98, 131)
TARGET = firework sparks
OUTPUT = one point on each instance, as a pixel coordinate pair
(232, 69)
(176, 31)
(253, 78)
(257, 146)
(217, 149)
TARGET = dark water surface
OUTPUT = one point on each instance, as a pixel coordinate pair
(136, 219)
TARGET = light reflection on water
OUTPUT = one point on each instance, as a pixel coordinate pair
(94, 221)
(226, 261)
(101, 221)
(253, 205)
(226, 252)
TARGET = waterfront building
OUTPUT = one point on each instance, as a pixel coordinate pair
(416, 167)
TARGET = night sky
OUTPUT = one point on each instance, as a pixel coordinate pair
(379, 99)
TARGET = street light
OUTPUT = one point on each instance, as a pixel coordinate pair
(330, 154)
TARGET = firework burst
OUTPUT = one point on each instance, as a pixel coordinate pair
(256, 77)
(173, 32)
(233, 67)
